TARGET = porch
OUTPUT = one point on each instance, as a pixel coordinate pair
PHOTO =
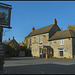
(46, 52)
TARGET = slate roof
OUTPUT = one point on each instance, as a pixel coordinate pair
(41, 30)
(8, 42)
(63, 34)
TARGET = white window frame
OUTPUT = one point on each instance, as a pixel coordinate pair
(40, 39)
(61, 42)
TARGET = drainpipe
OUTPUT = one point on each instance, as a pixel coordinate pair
(46, 52)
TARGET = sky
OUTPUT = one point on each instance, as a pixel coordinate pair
(26, 14)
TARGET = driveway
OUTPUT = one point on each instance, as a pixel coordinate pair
(30, 65)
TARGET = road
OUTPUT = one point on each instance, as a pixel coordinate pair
(30, 65)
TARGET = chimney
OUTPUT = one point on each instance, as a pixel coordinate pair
(33, 28)
(13, 37)
(55, 21)
(9, 39)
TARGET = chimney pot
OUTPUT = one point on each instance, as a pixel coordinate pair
(55, 21)
(33, 28)
(13, 37)
(9, 39)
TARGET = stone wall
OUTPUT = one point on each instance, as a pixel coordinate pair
(35, 44)
(55, 45)
(67, 46)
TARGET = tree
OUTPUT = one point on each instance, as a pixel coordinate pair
(13, 45)
(72, 27)
(9, 51)
(26, 40)
(61, 29)
(5, 41)
(15, 48)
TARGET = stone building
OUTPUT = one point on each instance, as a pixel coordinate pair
(51, 41)
(63, 44)
(38, 38)
(12, 41)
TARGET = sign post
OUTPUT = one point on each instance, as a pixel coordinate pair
(1, 51)
(5, 14)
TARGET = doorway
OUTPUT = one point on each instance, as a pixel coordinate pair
(47, 52)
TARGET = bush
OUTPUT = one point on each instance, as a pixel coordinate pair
(65, 58)
(52, 56)
(22, 48)
(28, 53)
(13, 51)
(9, 51)
(34, 56)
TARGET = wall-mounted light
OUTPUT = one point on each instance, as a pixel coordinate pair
(44, 35)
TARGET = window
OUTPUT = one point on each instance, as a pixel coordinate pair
(40, 38)
(50, 43)
(30, 40)
(34, 39)
(60, 51)
(61, 42)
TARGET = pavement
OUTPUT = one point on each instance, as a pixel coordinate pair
(30, 65)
